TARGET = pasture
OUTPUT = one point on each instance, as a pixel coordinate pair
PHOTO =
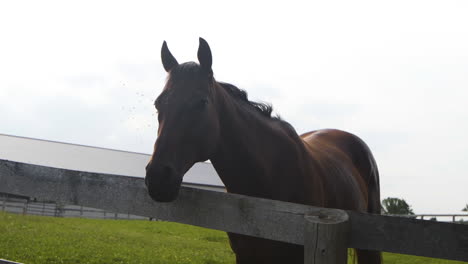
(41, 240)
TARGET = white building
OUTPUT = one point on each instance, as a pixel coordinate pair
(94, 159)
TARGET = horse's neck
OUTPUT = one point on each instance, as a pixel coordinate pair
(256, 155)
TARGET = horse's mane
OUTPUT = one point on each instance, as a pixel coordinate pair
(264, 109)
(240, 95)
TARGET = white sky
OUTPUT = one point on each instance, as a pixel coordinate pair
(395, 73)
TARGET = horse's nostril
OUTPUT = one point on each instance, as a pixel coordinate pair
(162, 182)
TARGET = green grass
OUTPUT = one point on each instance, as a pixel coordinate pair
(37, 239)
(41, 240)
(405, 259)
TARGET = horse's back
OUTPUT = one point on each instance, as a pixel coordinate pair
(348, 165)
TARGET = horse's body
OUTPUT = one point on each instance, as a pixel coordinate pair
(255, 154)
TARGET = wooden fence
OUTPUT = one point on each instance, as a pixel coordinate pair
(43, 208)
(325, 233)
(4, 261)
(452, 217)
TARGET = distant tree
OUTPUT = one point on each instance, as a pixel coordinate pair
(465, 209)
(396, 206)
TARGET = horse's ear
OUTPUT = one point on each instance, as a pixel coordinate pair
(169, 62)
(204, 55)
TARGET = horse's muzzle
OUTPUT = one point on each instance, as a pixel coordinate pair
(162, 182)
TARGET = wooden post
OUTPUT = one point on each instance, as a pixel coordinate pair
(4, 203)
(25, 207)
(326, 238)
(59, 210)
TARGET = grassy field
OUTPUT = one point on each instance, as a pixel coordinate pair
(48, 240)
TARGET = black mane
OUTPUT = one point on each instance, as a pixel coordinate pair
(263, 108)
(241, 95)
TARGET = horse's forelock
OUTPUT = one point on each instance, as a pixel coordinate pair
(185, 70)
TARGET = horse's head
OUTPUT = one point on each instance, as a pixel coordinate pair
(188, 125)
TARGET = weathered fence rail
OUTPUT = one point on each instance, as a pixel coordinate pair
(4, 261)
(264, 218)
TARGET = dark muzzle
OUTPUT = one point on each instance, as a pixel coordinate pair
(162, 182)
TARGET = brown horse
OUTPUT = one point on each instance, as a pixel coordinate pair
(254, 154)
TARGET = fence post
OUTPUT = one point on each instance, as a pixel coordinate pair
(25, 207)
(326, 238)
(59, 210)
(4, 203)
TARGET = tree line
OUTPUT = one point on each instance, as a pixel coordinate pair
(398, 206)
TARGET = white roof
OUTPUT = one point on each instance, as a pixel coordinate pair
(91, 159)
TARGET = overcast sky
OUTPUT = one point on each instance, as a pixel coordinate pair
(394, 73)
